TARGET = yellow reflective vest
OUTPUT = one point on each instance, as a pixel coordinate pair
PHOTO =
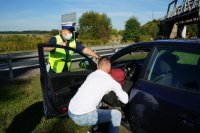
(58, 58)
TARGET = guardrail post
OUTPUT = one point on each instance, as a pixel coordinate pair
(10, 67)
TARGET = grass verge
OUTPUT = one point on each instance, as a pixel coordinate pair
(21, 110)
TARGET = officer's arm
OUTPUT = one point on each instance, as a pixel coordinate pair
(53, 42)
(48, 49)
(90, 52)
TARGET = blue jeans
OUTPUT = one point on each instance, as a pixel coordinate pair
(99, 116)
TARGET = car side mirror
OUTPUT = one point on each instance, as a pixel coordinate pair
(84, 64)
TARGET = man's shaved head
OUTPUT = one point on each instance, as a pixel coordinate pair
(104, 64)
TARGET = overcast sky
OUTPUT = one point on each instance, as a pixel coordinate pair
(18, 15)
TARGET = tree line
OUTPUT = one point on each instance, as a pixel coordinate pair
(25, 32)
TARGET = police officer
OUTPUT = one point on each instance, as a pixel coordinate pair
(59, 58)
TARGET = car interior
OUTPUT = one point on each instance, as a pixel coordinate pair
(190, 79)
(131, 63)
(130, 72)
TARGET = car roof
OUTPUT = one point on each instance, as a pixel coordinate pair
(180, 41)
(184, 43)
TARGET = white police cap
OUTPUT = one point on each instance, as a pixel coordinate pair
(68, 25)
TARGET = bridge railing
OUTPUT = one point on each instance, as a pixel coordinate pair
(187, 5)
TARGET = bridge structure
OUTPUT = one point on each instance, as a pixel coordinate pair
(180, 13)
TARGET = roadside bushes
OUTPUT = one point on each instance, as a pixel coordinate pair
(144, 38)
(10, 43)
(86, 42)
(25, 42)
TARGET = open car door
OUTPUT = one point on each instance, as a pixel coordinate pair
(59, 88)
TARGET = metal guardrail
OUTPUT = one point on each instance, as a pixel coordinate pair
(12, 61)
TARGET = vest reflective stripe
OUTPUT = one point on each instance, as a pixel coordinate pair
(57, 59)
(72, 44)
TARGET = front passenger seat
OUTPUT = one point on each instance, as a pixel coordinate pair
(166, 67)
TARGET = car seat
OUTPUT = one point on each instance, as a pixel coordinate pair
(118, 75)
(164, 69)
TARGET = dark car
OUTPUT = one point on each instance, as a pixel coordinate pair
(162, 81)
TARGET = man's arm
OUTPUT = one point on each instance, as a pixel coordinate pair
(122, 95)
(53, 42)
(49, 49)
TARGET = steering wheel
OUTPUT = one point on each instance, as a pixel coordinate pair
(130, 70)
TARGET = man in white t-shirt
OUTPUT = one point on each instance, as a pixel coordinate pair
(83, 106)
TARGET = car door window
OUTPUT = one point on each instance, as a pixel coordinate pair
(179, 69)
